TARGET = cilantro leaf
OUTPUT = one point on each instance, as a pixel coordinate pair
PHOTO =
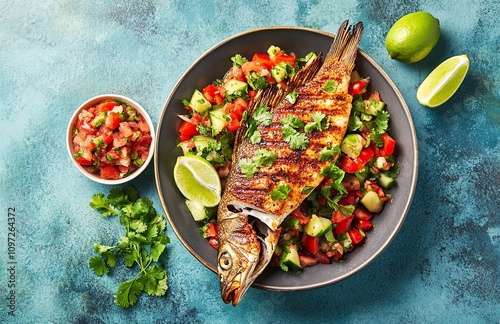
(292, 121)
(102, 205)
(337, 175)
(248, 167)
(354, 123)
(328, 153)
(261, 157)
(298, 141)
(281, 192)
(239, 60)
(382, 122)
(330, 86)
(143, 244)
(320, 122)
(262, 116)
(128, 291)
(97, 264)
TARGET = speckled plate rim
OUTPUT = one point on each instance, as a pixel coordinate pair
(414, 163)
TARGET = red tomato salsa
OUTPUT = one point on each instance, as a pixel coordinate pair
(111, 139)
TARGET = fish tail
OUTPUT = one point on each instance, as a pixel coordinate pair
(345, 46)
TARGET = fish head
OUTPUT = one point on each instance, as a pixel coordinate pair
(246, 246)
(238, 256)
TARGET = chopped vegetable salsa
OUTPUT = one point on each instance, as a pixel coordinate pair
(111, 139)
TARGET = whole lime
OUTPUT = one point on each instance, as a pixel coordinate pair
(412, 37)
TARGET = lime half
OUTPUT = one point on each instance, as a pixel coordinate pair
(443, 81)
(197, 180)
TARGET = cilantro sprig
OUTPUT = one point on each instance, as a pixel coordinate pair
(142, 245)
(262, 157)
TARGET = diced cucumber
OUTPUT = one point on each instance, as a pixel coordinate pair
(386, 181)
(198, 102)
(290, 257)
(310, 57)
(198, 211)
(318, 226)
(373, 107)
(351, 145)
(279, 72)
(363, 174)
(272, 50)
(185, 147)
(201, 141)
(234, 86)
(372, 202)
(345, 240)
(218, 119)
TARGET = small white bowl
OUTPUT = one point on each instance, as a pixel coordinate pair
(92, 102)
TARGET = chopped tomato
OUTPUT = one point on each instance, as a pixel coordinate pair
(355, 236)
(389, 144)
(364, 225)
(110, 172)
(361, 213)
(282, 57)
(83, 161)
(211, 230)
(105, 106)
(112, 120)
(303, 218)
(306, 260)
(358, 87)
(354, 165)
(311, 244)
(322, 257)
(234, 124)
(341, 221)
(263, 59)
(214, 242)
(187, 130)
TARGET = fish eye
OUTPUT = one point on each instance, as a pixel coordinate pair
(225, 261)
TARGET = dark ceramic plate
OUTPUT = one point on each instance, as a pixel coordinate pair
(212, 65)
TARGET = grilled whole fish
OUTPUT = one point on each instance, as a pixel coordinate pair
(250, 213)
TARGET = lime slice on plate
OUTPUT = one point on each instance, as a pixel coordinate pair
(197, 180)
(443, 81)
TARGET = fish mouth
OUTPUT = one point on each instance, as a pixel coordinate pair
(232, 294)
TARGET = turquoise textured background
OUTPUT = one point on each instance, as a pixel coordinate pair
(443, 266)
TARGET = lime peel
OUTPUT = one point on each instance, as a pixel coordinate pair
(442, 83)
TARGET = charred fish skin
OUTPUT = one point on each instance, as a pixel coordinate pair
(249, 218)
(299, 168)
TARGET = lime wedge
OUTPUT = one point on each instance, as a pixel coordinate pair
(197, 180)
(443, 81)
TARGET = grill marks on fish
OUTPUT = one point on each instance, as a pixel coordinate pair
(249, 219)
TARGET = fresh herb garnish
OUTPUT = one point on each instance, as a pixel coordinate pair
(262, 116)
(261, 158)
(238, 60)
(142, 244)
(319, 122)
(296, 139)
(329, 153)
(330, 86)
(281, 192)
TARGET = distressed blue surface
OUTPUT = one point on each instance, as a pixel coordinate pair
(442, 267)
